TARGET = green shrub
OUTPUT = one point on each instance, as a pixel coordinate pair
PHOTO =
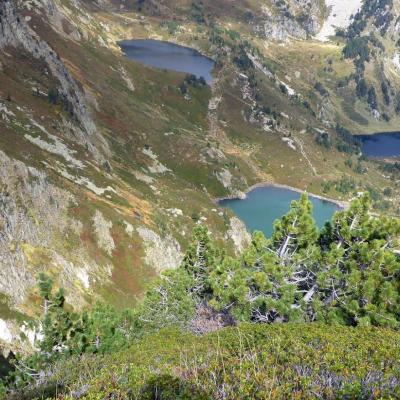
(285, 361)
(346, 274)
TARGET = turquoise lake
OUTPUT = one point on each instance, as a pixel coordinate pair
(264, 205)
(169, 56)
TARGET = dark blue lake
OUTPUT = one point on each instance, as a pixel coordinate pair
(170, 56)
(266, 204)
(381, 144)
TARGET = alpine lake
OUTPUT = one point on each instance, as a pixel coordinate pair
(262, 205)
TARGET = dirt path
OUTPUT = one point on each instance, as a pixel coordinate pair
(304, 154)
(217, 133)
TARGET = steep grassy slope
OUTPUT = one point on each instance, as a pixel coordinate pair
(106, 166)
(144, 173)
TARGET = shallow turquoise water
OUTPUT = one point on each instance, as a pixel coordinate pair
(265, 204)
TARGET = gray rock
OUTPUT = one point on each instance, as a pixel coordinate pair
(78, 393)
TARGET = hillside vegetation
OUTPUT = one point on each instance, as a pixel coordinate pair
(312, 314)
(106, 165)
(293, 361)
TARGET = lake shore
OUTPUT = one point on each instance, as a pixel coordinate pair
(341, 204)
(389, 132)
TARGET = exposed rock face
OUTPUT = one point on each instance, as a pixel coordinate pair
(5, 333)
(160, 253)
(238, 234)
(102, 229)
(34, 228)
(126, 79)
(225, 177)
(24, 189)
(300, 20)
(284, 27)
(340, 12)
(326, 112)
(58, 20)
(14, 31)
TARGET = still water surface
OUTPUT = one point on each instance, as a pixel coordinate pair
(381, 144)
(264, 205)
(170, 56)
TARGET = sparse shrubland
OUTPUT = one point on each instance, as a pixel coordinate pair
(316, 314)
(284, 361)
(307, 313)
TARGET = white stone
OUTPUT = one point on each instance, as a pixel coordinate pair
(5, 333)
(102, 229)
(238, 234)
(157, 167)
(83, 276)
(339, 17)
(396, 61)
(160, 253)
(129, 228)
(176, 212)
(32, 335)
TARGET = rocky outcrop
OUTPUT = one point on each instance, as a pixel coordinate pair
(15, 32)
(59, 21)
(326, 112)
(160, 253)
(102, 229)
(282, 28)
(225, 177)
(25, 198)
(299, 19)
(339, 17)
(36, 233)
(238, 233)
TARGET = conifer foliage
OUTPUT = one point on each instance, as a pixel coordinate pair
(347, 273)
